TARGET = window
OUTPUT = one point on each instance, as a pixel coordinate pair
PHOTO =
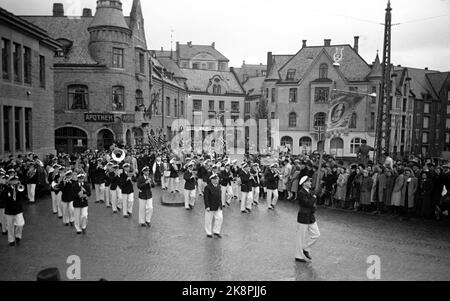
(196, 66)
(117, 58)
(222, 66)
(293, 95)
(305, 142)
(355, 144)
(287, 141)
(267, 93)
(319, 119)
(374, 99)
(141, 63)
(426, 108)
(426, 122)
(175, 108)
(27, 65)
(184, 65)
(372, 121)
(323, 71)
(182, 108)
(398, 103)
(139, 98)
(292, 119)
(424, 151)
(353, 121)
(197, 105)
(28, 128)
(353, 89)
(321, 94)
(448, 109)
(118, 102)
(78, 97)
(42, 71)
(272, 115)
(425, 137)
(6, 128)
(211, 105)
(273, 95)
(167, 106)
(447, 123)
(17, 58)
(247, 108)
(403, 122)
(263, 73)
(17, 128)
(6, 56)
(235, 106)
(447, 137)
(211, 65)
(222, 105)
(217, 89)
(290, 74)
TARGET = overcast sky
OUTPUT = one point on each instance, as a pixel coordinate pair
(248, 29)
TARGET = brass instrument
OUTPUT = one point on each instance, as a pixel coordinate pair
(118, 155)
(20, 188)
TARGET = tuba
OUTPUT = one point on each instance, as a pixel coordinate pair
(20, 188)
(118, 155)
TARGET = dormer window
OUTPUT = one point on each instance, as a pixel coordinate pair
(217, 89)
(66, 46)
(323, 71)
(290, 74)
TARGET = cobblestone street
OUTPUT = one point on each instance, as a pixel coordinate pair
(256, 246)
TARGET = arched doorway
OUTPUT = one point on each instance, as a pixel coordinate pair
(138, 136)
(70, 140)
(128, 138)
(337, 147)
(305, 144)
(105, 138)
(287, 142)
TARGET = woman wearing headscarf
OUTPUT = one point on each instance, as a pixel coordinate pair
(408, 192)
(341, 188)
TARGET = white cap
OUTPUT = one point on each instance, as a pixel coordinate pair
(303, 180)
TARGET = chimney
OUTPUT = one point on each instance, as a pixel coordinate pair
(426, 68)
(243, 63)
(327, 42)
(304, 43)
(213, 45)
(87, 12)
(269, 62)
(356, 45)
(162, 49)
(58, 10)
(189, 43)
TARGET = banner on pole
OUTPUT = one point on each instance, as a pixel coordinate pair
(342, 105)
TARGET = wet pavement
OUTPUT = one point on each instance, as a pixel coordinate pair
(256, 246)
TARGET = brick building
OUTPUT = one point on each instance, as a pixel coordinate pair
(298, 87)
(26, 87)
(102, 76)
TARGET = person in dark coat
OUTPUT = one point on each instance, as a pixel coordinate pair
(67, 189)
(116, 193)
(144, 184)
(190, 180)
(246, 189)
(213, 206)
(225, 180)
(31, 180)
(81, 192)
(307, 229)
(271, 177)
(425, 194)
(3, 186)
(126, 186)
(99, 180)
(14, 211)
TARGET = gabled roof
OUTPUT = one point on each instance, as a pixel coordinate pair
(377, 69)
(188, 52)
(73, 29)
(198, 80)
(253, 86)
(172, 67)
(352, 66)
(164, 53)
(419, 83)
(277, 62)
(437, 80)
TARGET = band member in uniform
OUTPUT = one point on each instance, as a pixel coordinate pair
(307, 229)
(116, 194)
(108, 171)
(99, 181)
(31, 181)
(158, 172)
(126, 185)
(246, 189)
(213, 206)
(53, 178)
(173, 176)
(3, 186)
(144, 184)
(201, 170)
(235, 185)
(189, 187)
(13, 211)
(226, 177)
(81, 192)
(256, 182)
(271, 177)
(166, 174)
(67, 189)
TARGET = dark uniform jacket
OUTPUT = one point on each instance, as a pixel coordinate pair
(173, 171)
(225, 178)
(271, 179)
(53, 178)
(207, 174)
(67, 192)
(307, 203)
(98, 176)
(79, 202)
(256, 178)
(145, 189)
(246, 183)
(2, 196)
(107, 178)
(33, 179)
(114, 180)
(189, 181)
(213, 197)
(13, 207)
(126, 185)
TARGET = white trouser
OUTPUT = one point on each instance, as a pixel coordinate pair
(119, 197)
(81, 218)
(163, 182)
(145, 211)
(54, 205)
(114, 196)
(31, 188)
(271, 201)
(3, 220)
(99, 192)
(236, 190)
(15, 225)
(307, 236)
(200, 186)
(189, 198)
(107, 195)
(127, 203)
(67, 209)
(173, 184)
(256, 194)
(246, 200)
(227, 193)
(218, 219)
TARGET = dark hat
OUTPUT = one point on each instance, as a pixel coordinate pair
(51, 274)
